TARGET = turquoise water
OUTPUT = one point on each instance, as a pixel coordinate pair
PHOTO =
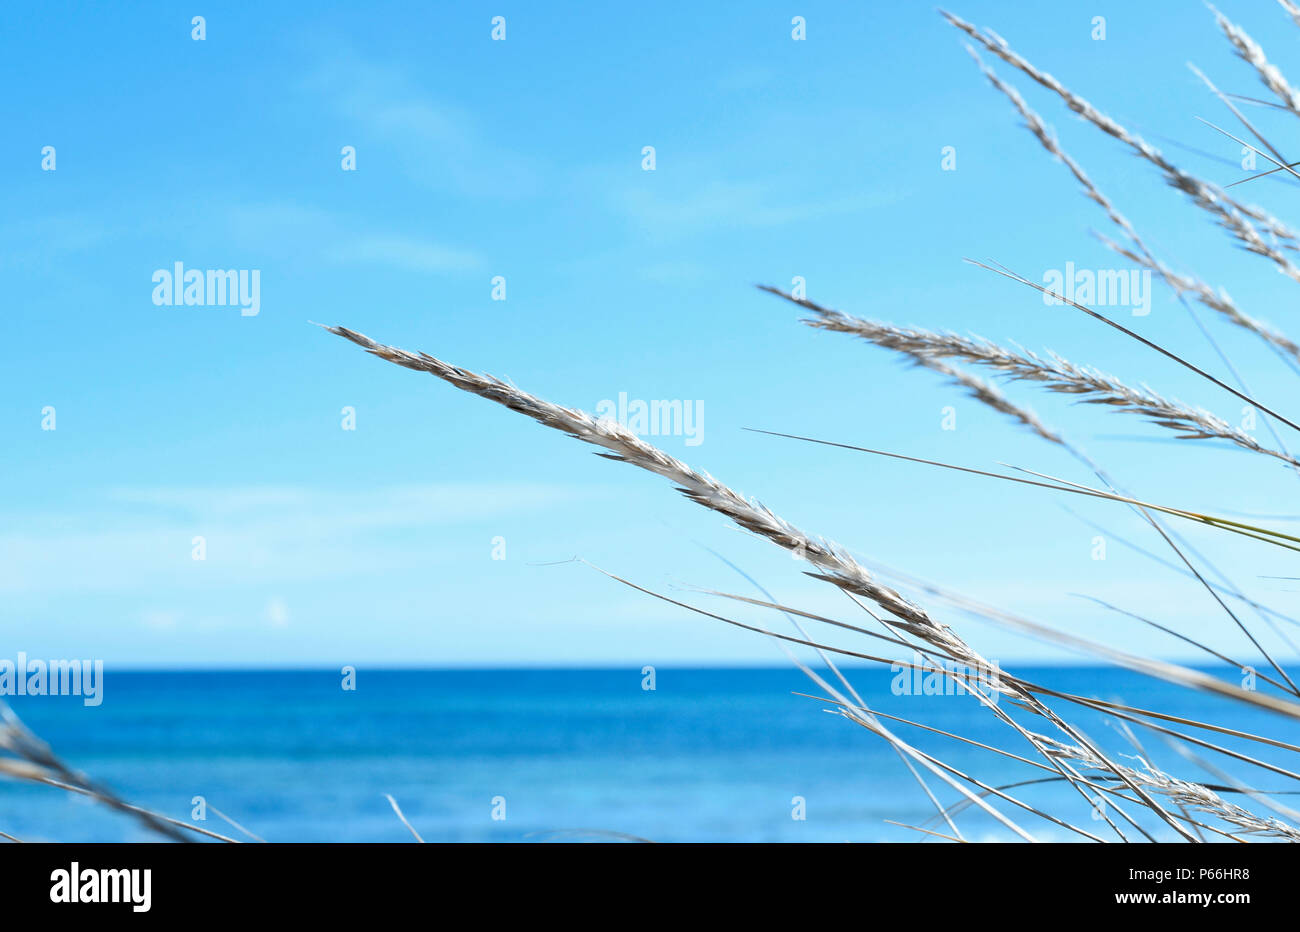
(708, 755)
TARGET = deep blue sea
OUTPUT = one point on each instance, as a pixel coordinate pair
(535, 755)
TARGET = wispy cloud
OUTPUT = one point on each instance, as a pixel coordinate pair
(344, 510)
(280, 227)
(137, 539)
(443, 147)
(417, 255)
(46, 238)
(687, 209)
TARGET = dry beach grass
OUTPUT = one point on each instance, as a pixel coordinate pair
(1192, 810)
(1141, 802)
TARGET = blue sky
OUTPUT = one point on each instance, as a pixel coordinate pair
(523, 159)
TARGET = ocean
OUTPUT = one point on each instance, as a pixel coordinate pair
(530, 755)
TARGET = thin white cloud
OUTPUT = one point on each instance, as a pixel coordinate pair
(714, 205)
(390, 506)
(136, 539)
(279, 227)
(405, 252)
(438, 145)
(40, 239)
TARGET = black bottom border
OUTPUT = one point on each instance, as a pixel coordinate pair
(365, 881)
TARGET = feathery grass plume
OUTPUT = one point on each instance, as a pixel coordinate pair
(699, 487)
(1170, 672)
(980, 389)
(1239, 393)
(1215, 301)
(1091, 757)
(905, 622)
(964, 680)
(1181, 792)
(1036, 126)
(1232, 785)
(988, 393)
(826, 659)
(1188, 677)
(1232, 215)
(1056, 373)
(983, 392)
(1252, 54)
(973, 686)
(1195, 796)
(1197, 188)
(1034, 123)
(837, 565)
(1068, 752)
